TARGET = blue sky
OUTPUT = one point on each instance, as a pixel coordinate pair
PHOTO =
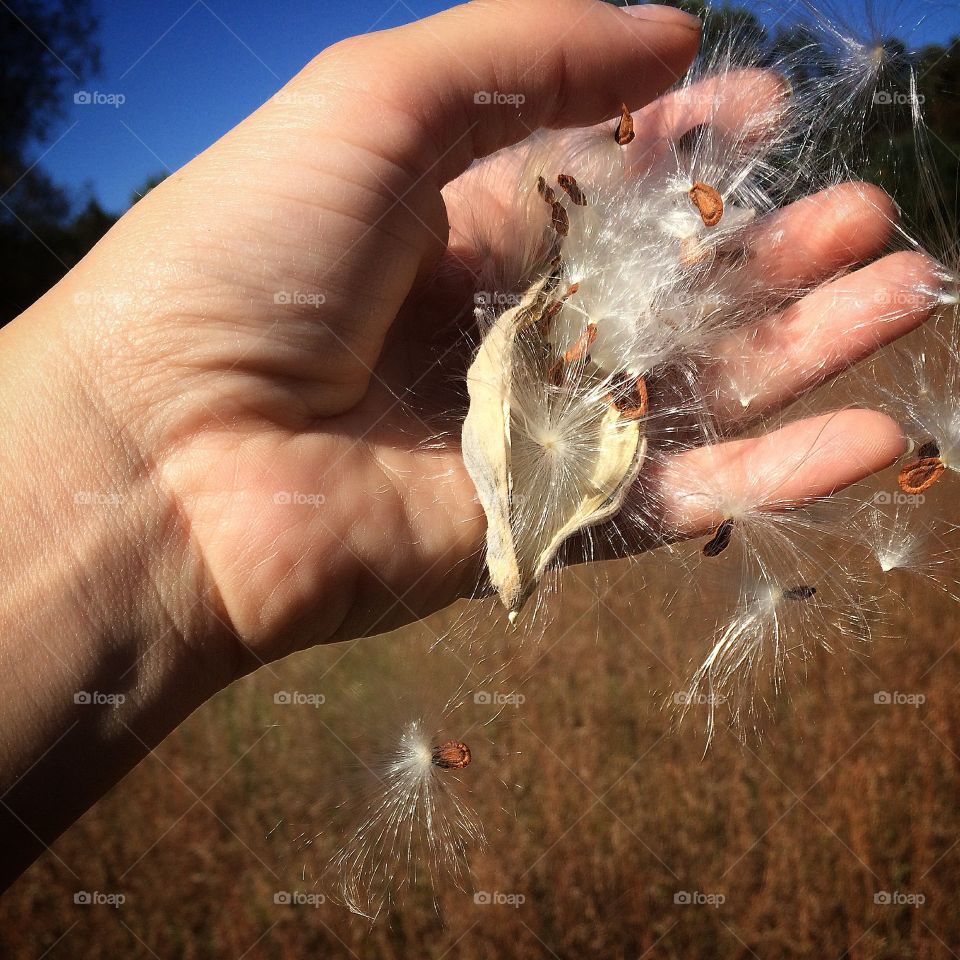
(189, 70)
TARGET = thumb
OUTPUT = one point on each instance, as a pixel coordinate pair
(457, 86)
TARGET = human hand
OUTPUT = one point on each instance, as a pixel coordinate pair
(263, 345)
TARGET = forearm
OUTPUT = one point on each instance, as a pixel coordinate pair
(101, 643)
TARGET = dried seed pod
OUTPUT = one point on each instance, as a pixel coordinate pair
(720, 539)
(452, 755)
(920, 474)
(546, 191)
(708, 201)
(572, 189)
(628, 396)
(802, 592)
(560, 220)
(518, 437)
(624, 133)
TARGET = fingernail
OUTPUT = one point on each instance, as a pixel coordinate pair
(668, 16)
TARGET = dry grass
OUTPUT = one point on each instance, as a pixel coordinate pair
(609, 812)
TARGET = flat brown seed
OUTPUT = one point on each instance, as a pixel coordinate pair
(720, 539)
(624, 132)
(629, 396)
(451, 755)
(572, 189)
(921, 474)
(929, 449)
(583, 344)
(561, 222)
(803, 592)
(545, 190)
(708, 201)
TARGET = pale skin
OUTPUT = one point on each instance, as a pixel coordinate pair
(158, 399)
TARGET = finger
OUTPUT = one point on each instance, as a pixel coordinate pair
(739, 106)
(464, 83)
(816, 237)
(762, 368)
(797, 464)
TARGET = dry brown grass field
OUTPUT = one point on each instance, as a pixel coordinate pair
(834, 834)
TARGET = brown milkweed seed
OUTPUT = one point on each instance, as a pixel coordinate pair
(624, 133)
(803, 592)
(629, 396)
(921, 474)
(583, 344)
(720, 539)
(572, 189)
(561, 222)
(451, 755)
(708, 201)
(545, 190)
(929, 449)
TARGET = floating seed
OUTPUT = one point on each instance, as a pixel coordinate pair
(561, 222)
(624, 133)
(545, 190)
(708, 201)
(451, 755)
(572, 189)
(803, 592)
(629, 396)
(720, 539)
(920, 474)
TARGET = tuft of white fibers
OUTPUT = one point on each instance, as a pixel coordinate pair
(901, 539)
(413, 828)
